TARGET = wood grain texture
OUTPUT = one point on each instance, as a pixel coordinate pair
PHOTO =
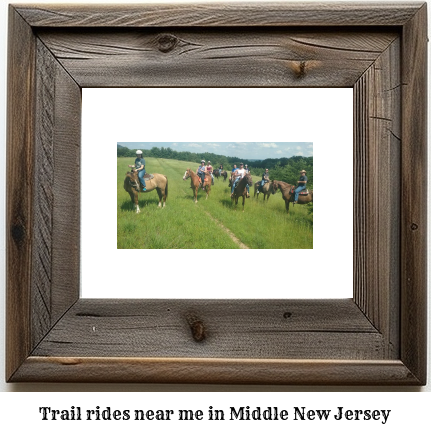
(234, 329)
(413, 193)
(55, 278)
(44, 196)
(378, 338)
(220, 15)
(66, 190)
(377, 99)
(19, 195)
(215, 371)
(214, 57)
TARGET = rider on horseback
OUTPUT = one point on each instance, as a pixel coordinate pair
(140, 168)
(210, 170)
(237, 175)
(302, 184)
(265, 179)
(247, 171)
(201, 173)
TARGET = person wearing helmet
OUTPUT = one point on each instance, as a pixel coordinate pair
(302, 184)
(201, 173)
(140, 168)
(210, 170)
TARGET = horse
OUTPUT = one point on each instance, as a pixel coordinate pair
(196, 183)
(219, 173)
(241, 189)
(267, 190)
(133, 186)
(289, 194)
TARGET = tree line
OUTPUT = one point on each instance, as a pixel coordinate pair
(282, 169)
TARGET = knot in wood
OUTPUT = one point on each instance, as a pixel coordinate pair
(197, 327)
(18, 233)
(167, 42)
(414, 226)
(300, 69)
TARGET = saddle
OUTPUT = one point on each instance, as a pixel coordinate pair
(207, 179)
(304, 192)
(136, 184)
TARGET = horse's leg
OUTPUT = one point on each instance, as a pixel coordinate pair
(287, 201)
(132, 198)
(159, 192)
(243, 200)
(165, 193)
(137, 202)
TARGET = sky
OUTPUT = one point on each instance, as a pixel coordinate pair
(245, 150)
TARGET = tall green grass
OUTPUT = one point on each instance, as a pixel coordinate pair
(209, 223)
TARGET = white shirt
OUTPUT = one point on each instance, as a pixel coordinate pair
(240, 172)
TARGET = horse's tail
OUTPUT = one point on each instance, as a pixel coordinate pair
(166, 188)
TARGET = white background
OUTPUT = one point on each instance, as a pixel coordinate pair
(322, 116)
(21, 409)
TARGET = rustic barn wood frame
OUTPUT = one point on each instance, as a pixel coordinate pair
(378, 337)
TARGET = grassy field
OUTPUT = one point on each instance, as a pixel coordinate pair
(211, 223)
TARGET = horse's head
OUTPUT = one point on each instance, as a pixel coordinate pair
(132, 175)
(249, 179)
(275, 186)
(186, 174)
(131, 179)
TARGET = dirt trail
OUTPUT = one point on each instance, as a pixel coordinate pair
(233, 237)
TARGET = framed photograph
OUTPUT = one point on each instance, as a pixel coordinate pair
(377, 336)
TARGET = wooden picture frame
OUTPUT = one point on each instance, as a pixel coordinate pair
(378, 337)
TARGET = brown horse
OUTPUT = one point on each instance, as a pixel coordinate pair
(219, 173)
(267, 190)
(289, 194)
(133, 186)
(241, 189)
(196, 183)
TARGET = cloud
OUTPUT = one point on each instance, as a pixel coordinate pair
(237, 144)
(269, 145)
(213, 145)
(194, 145)
(175, 144)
